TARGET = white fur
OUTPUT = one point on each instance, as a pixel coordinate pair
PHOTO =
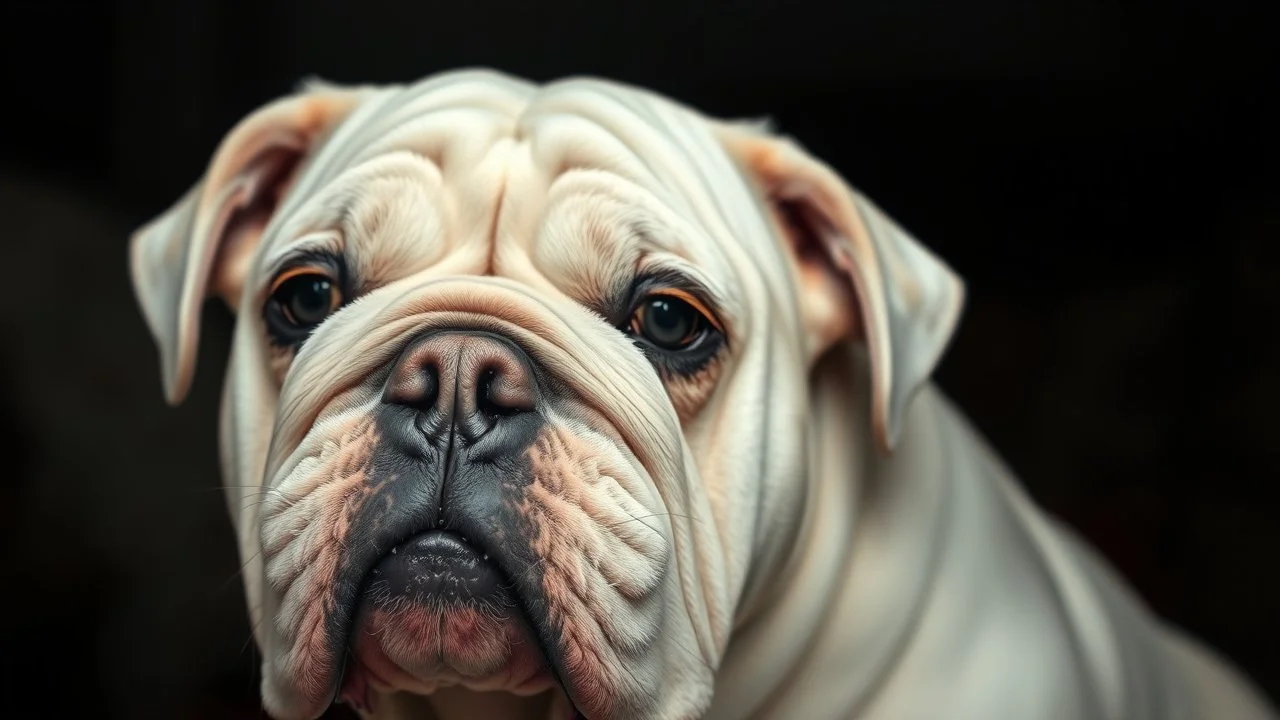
(840, 542)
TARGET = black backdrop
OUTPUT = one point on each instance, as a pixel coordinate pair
(1102, 174)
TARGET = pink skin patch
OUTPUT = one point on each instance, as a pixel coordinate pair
(419, 649)
(600, 562)
(303, 533)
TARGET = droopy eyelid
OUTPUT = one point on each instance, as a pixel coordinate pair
(301, 261)
(293, 271)
(317, 246)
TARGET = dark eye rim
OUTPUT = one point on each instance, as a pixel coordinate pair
(710, 339)
(281, 329)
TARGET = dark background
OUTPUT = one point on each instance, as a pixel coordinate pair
(1102, 174)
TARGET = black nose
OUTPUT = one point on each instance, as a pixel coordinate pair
(470, 380)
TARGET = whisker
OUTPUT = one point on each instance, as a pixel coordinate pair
(696, 656)
(225, 583)
(261, 501)
(215, 488)
(634, 518)
(290, 502)
(249, 640)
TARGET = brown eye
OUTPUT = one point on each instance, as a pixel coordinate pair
(669, 321)
(306, 297)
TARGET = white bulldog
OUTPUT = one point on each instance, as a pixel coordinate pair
(567, 401)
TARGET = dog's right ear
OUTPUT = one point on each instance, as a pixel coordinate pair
(202, 245)
(863, 276)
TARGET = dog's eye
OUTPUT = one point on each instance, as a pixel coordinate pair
(306, 297)
(669, 321)
(301, 299)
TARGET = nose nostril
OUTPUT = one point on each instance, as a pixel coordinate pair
(419, 388)
(494, 400)
(431, 378)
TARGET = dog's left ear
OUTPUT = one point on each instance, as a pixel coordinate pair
(202, 246)
(863, 277)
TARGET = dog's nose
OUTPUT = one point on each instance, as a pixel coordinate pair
(469, 379)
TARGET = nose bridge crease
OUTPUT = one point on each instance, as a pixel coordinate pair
(456, 416)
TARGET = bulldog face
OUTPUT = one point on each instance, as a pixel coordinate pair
(518, 398)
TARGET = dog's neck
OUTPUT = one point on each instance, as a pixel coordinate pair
(846, 595)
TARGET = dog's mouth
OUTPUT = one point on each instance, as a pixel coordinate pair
(436, 612)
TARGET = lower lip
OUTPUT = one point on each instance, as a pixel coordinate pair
(435, 549)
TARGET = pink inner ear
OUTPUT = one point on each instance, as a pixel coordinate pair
(797, 223)
(830, 301)
(265, 182)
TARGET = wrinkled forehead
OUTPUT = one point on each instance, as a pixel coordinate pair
(450, 166)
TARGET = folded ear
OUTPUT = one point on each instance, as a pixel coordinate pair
(203, 244)
(905, 302)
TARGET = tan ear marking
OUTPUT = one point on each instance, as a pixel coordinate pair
(203, 246)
